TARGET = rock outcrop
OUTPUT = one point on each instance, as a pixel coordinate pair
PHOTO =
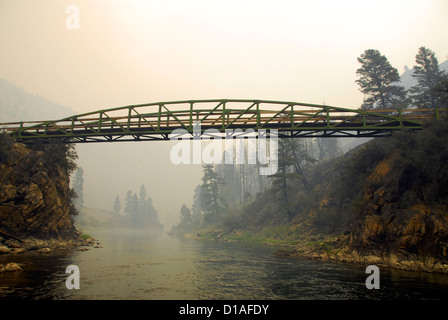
(398, 220)
(34, 195)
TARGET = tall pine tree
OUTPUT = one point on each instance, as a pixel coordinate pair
(291, 152)
(117, 206)
(211, 200)
(428, 75)
(185, 216)
(128, 204)
(440, 90)
(378, 81)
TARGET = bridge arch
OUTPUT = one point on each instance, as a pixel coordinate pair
(156, 121)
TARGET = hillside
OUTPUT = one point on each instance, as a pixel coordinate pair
(18, 105)
(384, 203)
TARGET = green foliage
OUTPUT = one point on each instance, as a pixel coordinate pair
(85, 236)
(440, 91)
(57, 155)
(291, 153)
(185, 215)
(428, 75)
(212, 202)
(429, 159)
(376, 81)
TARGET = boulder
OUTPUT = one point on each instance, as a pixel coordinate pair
(10, 267)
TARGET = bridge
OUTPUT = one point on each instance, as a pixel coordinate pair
(157, 121)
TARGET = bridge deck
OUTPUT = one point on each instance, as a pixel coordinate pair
(157, 121)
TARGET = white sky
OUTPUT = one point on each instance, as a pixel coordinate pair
(137, 51)
(129, 52)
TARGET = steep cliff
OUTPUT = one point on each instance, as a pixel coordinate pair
(35, 198)
(405, 200)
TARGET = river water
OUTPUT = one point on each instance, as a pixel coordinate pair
(137, 265)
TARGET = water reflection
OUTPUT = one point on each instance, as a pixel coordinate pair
(136, 265)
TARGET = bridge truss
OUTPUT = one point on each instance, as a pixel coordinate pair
(157, 121)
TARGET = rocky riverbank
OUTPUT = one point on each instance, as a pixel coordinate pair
(36, 208)
(44, 246)
(336, 250)
(11, 248)
(327, 248)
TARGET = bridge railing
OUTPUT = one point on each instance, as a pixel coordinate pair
(158, 120)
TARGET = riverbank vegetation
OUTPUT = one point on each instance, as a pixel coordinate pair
(385, 201)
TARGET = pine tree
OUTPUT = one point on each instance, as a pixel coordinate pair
(290, 153)
(376, 81)
(185, 216)
(440, 90)
(117, 206)
(211, 200)
(142, 193)
(128, 204)
(134, 206)
(147, 214)
(428, 75)
(196, 207)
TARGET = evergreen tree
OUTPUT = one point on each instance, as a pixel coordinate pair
(440, 90)
(291, 152)
(376, 81)
(148, 216)
(128, 204)
(185, 216)
(428, 75)
(134, 207)
(196, 207)
(139, 210)
(211, 200)
(142, 193)
(285, 161)
(117, 206)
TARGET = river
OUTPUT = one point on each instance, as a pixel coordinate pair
(137, 265)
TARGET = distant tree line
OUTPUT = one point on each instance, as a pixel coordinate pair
(138, 211)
